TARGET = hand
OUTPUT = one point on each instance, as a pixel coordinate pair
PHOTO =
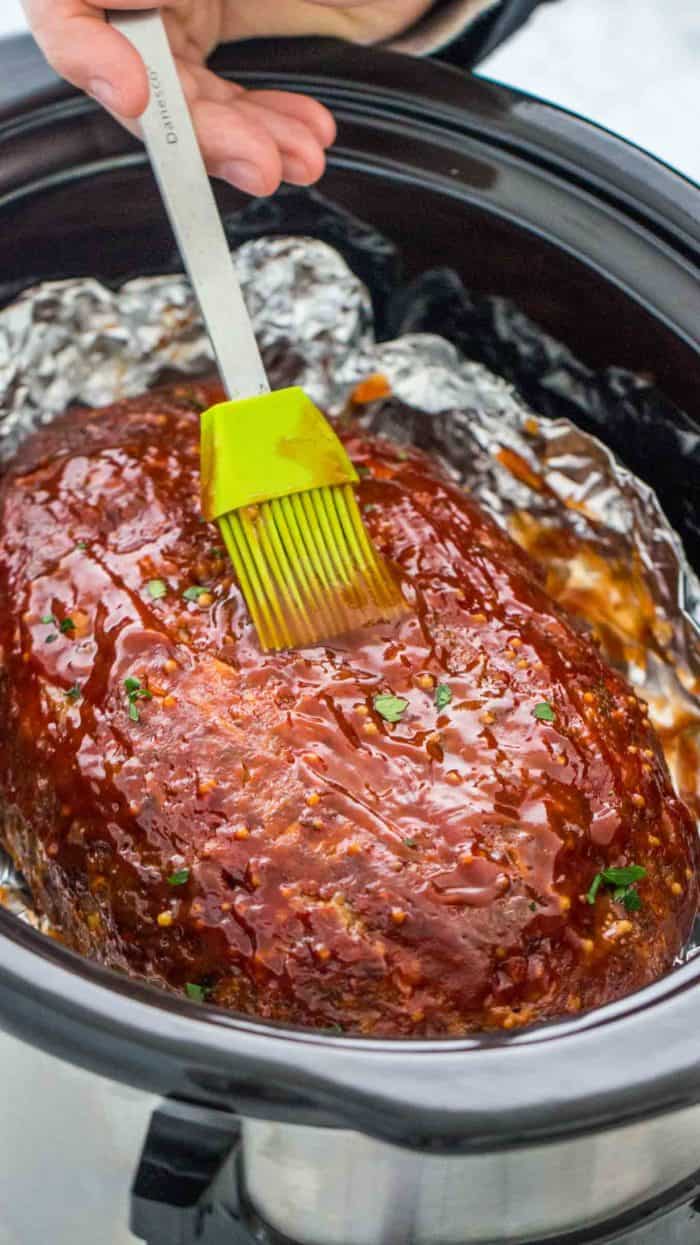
(253, 139)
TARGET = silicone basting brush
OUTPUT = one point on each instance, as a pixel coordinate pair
(275, 476)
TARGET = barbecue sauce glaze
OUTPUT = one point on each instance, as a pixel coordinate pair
(250, 829)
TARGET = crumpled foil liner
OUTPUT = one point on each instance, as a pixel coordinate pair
(607, 546)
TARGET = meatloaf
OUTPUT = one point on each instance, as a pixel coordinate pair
(460, 820)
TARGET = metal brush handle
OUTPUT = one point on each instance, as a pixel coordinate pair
(177, 162)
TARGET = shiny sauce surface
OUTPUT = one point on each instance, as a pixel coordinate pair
(251, 828)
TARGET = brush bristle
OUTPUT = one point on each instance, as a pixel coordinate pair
(308, 569)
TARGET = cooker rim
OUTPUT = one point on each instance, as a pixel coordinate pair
(503, 116)
(617, 1064)
(630, 1059)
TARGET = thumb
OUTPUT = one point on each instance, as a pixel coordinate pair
(83, 48)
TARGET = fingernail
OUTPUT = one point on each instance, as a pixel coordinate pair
(103, 92)
(296, 171)
(244, 175)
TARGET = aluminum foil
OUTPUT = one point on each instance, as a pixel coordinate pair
(622, 567)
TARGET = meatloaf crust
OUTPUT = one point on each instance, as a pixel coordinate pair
(254, 829)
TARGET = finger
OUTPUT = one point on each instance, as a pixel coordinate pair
(295, 173)
(238, 175)
(192, 92)
(80, 45)
(301, 152)
(299, 107)
(210, 85)
(319, 120)
(237, 147)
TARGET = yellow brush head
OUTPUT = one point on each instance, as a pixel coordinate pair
(279, 483)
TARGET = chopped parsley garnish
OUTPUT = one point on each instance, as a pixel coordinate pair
(624, 875)
(410, 842)
(630, 897)
(544, 712)
(595, 887)
(443, 695)
(622, 879)
(82, 544)
(50, 620)
(194, 593)
(156, 588)
(195, 992)
(362, 470)
(390, 707)
(217, 551)
(179, 877)
(533, 906)
(74, 693)
(135, 691)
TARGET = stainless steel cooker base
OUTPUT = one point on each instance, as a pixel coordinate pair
(244, 1182)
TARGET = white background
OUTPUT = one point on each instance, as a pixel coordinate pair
(632, 65)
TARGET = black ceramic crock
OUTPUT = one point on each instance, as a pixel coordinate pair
(600, 244)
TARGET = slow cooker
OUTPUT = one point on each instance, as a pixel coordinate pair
(131, 1115)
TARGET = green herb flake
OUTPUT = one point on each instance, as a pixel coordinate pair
(74, 693)
(622, 879)
(362, 470)
(443, 695)
(533, 906)
(544, 712)
(632, 899)
(194, 593)
(624, 875)
(336, 1030)
(50, 639)
(410, 843)
(156, 588)
(135, 691)
(49, 619)
(389, 707)
(179, 877)
(66, 626)
(194, 992)
(594, 888)
(81, 544)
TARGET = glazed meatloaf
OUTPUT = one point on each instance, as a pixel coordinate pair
(457, 821)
